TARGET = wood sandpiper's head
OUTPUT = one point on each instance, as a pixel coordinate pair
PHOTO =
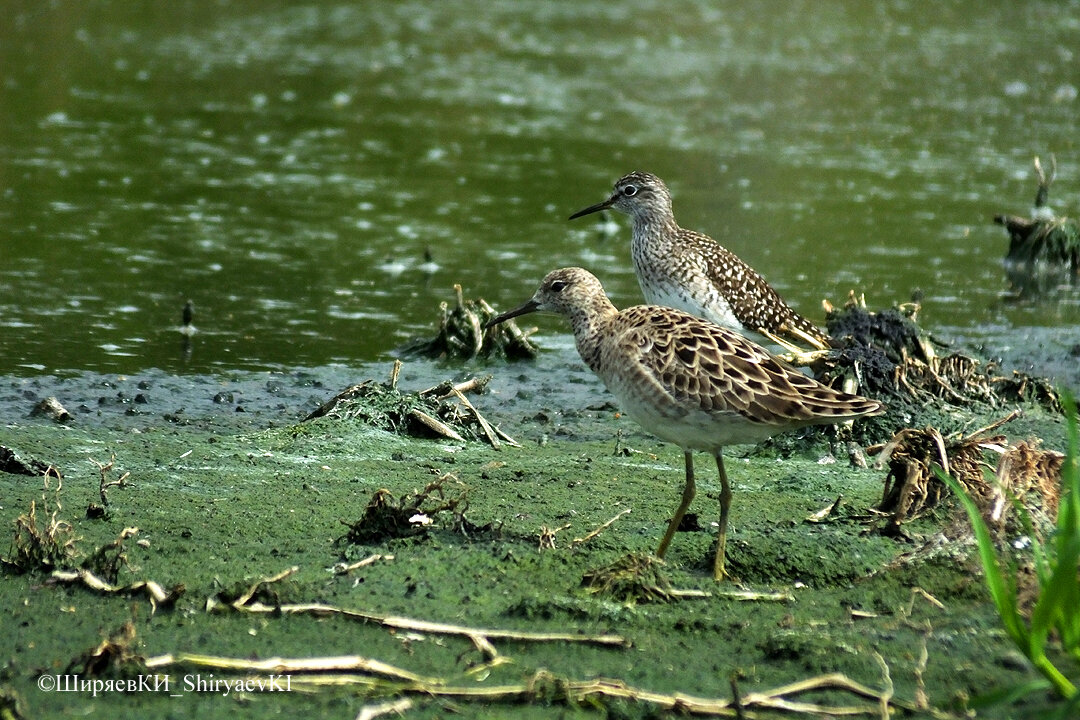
(640, 195)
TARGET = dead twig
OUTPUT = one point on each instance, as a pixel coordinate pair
(286, 666)
(887, 693)
(395, 707)
(406, 623)
(346, 568)
(754, 596)
(473, 384)
(155, 593)
(825, 513)
(318, 672)
(919, 592)
(245, 597)
(922, 701)
(244, 604)
(597, 531)
(547, 536)
(395, 372)
(548, 687)
(94, 510)
(484, 425)
(436, 425)
(105, 484)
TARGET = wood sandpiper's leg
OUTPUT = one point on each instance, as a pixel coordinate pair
(725, 505)
(687, 497)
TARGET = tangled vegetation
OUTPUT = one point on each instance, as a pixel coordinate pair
(439, 411)
(887, 355)
(462, 334)
(1044, 250)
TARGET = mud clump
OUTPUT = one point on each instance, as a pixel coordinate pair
(413, 514)
(439, 411)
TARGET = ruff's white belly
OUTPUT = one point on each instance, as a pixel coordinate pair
(692, 429)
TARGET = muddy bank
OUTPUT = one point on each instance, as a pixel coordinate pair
(227, 486)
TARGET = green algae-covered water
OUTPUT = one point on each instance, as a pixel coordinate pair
(286, 166)
(316, 177)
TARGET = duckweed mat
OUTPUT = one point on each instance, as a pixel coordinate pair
(220, 581)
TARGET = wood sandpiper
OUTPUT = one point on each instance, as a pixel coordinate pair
(690, 271)
(688, 381)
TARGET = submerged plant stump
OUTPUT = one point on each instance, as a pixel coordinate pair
(1044, 250)
(462, 335)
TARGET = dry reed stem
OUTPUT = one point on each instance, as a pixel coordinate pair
(597, 531)
(154, 592)
(288, 666)
(244, 604)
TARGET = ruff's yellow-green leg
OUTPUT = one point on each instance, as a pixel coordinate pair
(687, 497)
(725, 505)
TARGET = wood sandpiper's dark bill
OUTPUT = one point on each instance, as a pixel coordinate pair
(690, 271)
(688, 381)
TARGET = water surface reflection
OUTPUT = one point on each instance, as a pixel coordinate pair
(286, 168)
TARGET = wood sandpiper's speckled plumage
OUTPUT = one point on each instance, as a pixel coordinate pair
(688, 381)
(690, 271)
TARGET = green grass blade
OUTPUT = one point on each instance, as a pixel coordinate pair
(1066, 581)
(1009, 694)
(1043, 566)
(1071, 709)
(1058, 591)
(1003, 596)
(1057, 565)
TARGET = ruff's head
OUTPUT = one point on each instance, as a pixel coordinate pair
(567, 291)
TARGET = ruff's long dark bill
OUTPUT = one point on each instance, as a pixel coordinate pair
(528, 307)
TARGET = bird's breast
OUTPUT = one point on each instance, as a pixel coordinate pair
(696, 297)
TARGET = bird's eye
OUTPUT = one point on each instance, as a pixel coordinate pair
(558, 286)
(630, 190)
